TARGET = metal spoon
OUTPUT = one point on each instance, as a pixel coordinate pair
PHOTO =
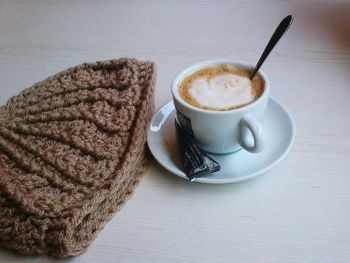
(276, 36)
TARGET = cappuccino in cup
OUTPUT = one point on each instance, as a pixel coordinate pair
(220, 88)
(220, 107)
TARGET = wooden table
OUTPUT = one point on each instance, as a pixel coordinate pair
(297, 212)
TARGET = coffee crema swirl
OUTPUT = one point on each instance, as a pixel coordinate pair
(221, 88)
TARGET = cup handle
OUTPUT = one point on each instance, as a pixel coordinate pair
(257, 131)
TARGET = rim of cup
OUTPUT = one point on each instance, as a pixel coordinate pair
(191, 69)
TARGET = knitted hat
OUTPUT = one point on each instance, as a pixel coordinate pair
(72, 148)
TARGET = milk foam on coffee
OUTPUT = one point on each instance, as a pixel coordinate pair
(222, 91)
(221, 87)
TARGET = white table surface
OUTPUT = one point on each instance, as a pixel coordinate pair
(297, 212)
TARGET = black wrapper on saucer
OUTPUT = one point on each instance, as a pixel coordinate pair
(195, 162)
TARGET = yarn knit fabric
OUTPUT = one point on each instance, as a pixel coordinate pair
(72, 148)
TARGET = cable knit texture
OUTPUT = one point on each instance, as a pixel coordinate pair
(72, 148)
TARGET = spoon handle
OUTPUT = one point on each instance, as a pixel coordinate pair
(276, 36)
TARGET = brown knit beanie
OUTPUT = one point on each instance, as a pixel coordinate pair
(72, 148)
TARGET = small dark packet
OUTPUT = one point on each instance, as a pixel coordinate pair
(195, 162)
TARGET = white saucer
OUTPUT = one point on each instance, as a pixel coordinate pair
(237, 167)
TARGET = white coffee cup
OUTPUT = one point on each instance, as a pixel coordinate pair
(222, 132)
